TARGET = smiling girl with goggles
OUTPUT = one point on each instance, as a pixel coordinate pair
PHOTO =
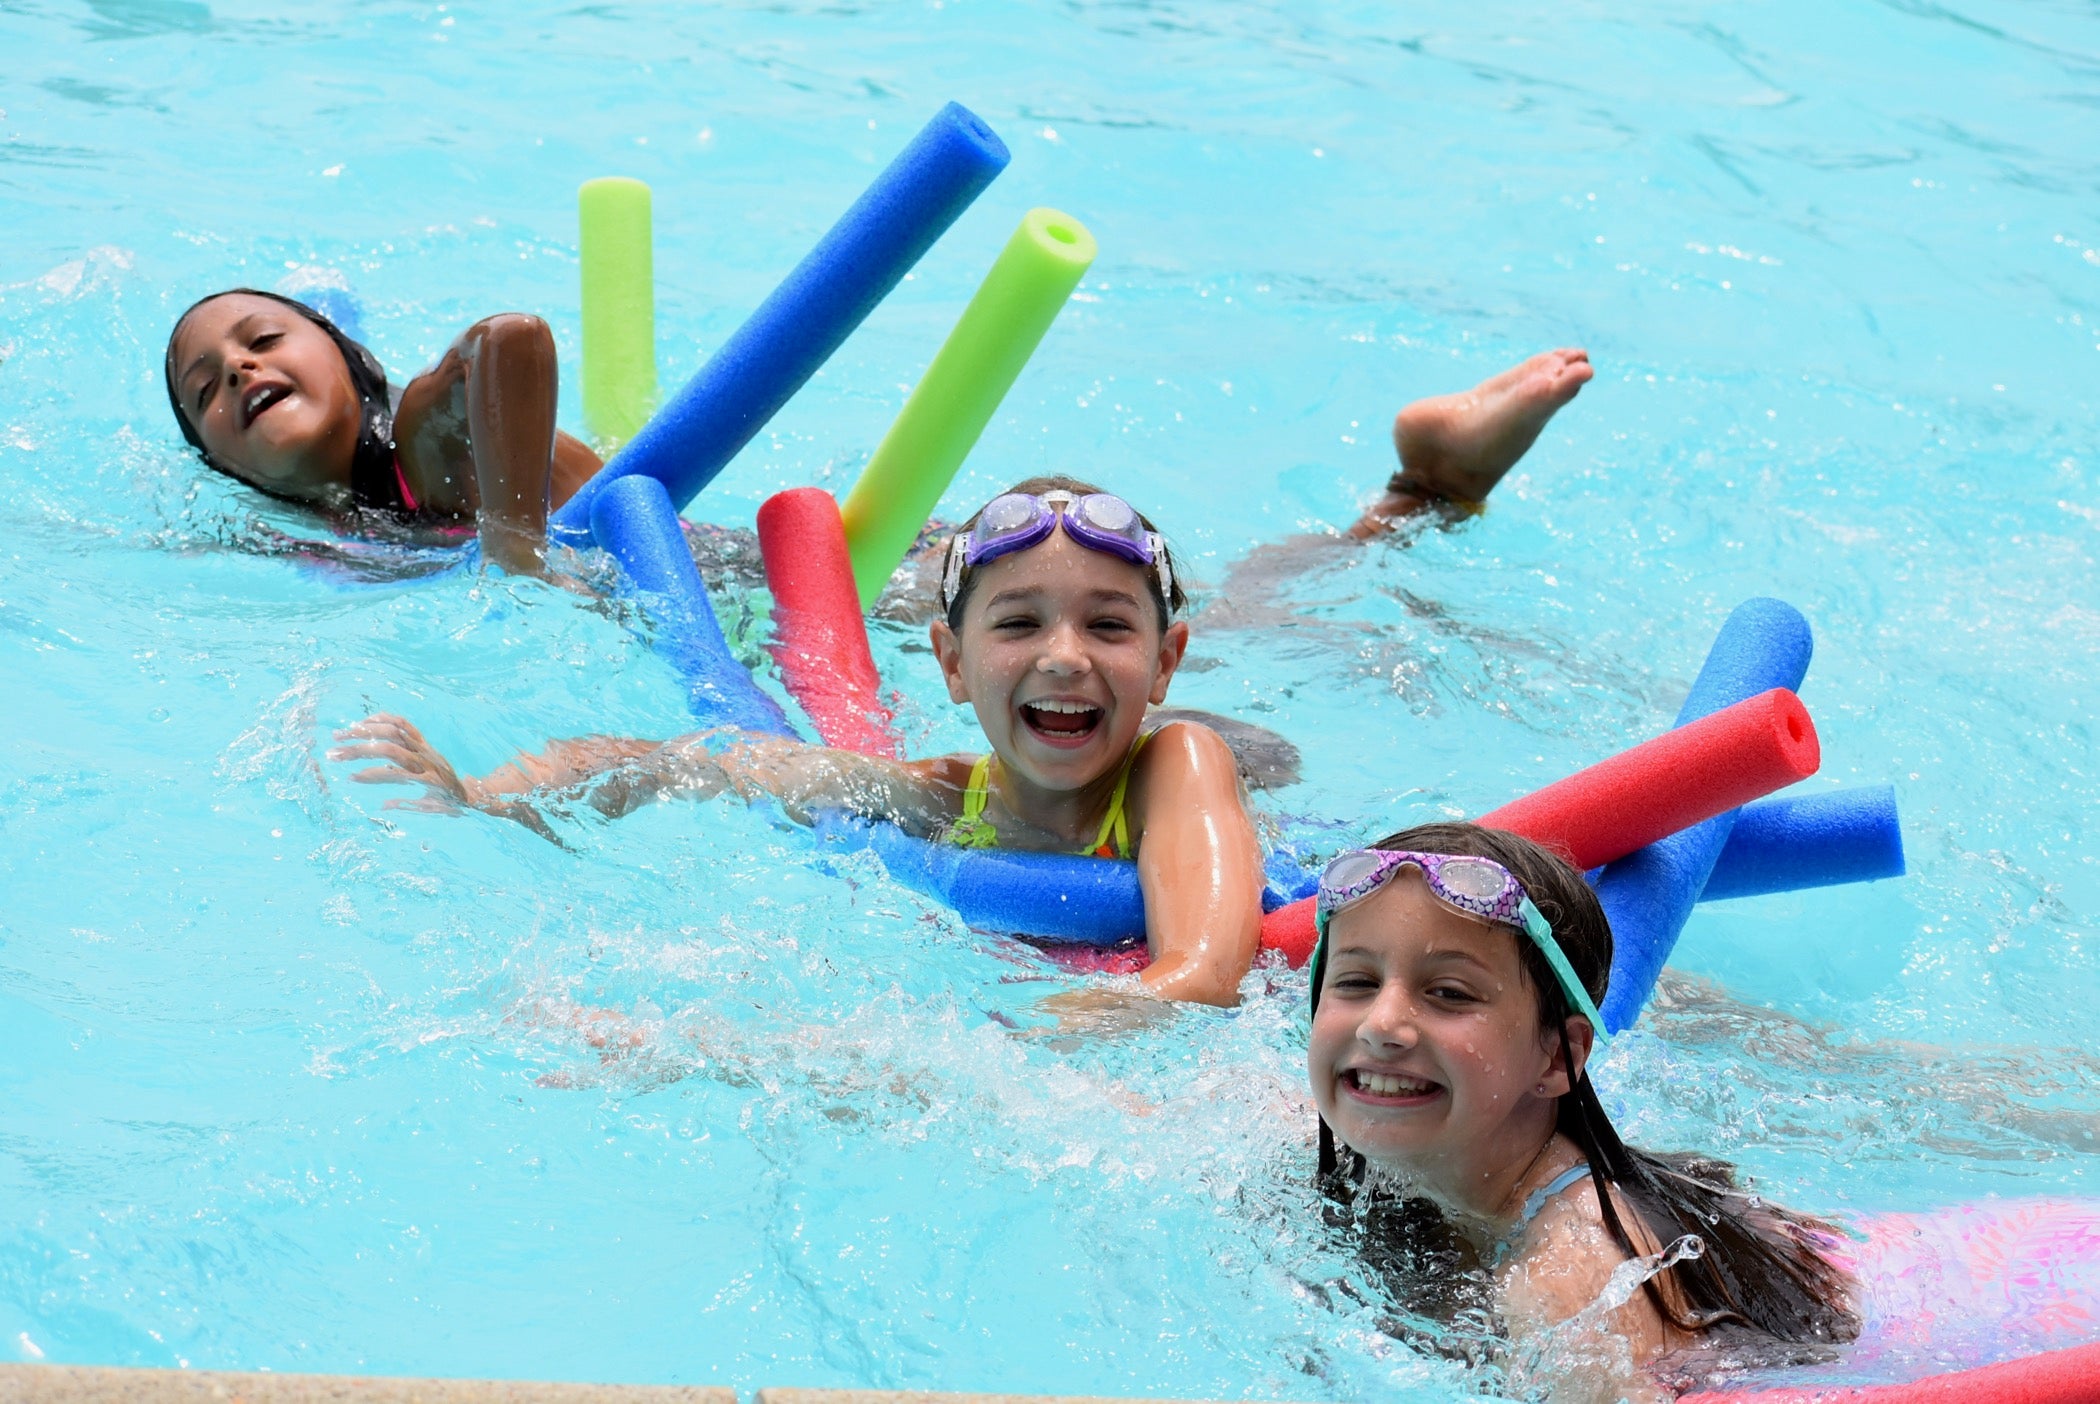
(1478, 887)
(1015, 521)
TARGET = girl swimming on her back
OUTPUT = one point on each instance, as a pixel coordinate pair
(1454, 1008)
(272, 393)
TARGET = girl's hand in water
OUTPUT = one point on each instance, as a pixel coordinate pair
(408, 760)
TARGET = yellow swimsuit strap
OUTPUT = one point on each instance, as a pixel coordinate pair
(973, 830)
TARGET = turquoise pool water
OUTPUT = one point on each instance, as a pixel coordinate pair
(292, 1081)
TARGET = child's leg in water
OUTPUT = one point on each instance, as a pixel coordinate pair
(1453, 450)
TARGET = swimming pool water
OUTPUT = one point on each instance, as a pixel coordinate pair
(292, 1081)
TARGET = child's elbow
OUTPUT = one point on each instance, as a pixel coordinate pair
(511, 332)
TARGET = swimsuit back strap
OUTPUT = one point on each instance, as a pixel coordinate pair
(1538, 1197)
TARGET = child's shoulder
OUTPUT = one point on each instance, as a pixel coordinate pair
(1265, 760)
(1185, 747)
(1562, 1267)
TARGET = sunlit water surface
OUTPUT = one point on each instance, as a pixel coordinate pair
(292, 1081)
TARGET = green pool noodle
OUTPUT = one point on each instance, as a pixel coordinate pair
(1019, 299)
(619, 308)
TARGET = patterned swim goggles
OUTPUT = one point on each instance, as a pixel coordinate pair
(1479, 887)
(1015, 521)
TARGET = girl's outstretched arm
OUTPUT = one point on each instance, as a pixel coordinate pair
(617, 775)
(1199, 863)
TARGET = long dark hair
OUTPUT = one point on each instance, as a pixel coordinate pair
(373, 483)
(1760, 1267)
(1170, 603)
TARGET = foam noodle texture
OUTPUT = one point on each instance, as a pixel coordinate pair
(636, 522)
(1677, 779)
(328, 292)
(2058, 1377)
(1029, 284)
(815, 308)
(1781, 844)
(821, 642)
(1648, 897)
(619, 307)
(1089, 901)
(1814, 840)
(1052, 896)
(1670, 782)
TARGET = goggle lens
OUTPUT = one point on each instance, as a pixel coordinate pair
(1009, 512)
(1474, 877)
(1014, 521)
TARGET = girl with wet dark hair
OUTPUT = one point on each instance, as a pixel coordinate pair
(270, 392)
(1454, 994)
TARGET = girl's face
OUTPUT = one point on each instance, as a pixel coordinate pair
(1060, 652)
(1428, 1055)
(268, 393)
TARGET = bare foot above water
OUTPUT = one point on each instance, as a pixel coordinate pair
(1455, 448)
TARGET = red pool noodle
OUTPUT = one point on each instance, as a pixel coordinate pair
(820, 638)
(1670, 782)
(1678, 779)
(2059, 1377)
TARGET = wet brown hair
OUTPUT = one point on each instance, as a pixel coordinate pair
(1169, 604)
(1759, 1267)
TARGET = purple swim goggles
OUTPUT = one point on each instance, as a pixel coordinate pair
(1479, 887)
(1015, 521)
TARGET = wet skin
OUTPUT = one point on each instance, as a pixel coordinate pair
(268, 393)
(1059, 655)
(270, 397)
(1055, 623)
(1428, 1055)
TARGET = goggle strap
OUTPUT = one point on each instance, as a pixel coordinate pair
(1541, 934)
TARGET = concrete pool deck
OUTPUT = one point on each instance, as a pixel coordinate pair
(100, 1384)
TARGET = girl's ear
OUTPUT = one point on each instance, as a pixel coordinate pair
(949, 652)
(1172, 645)
(1560, 1079)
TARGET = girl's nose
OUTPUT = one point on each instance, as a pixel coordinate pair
(1389, 1022)
(1061, 653)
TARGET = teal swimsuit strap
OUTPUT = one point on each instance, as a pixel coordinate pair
(1539, 1196)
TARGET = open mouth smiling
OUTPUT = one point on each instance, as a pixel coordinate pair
(260, 399)
(1062, 722)
(1389, 1089)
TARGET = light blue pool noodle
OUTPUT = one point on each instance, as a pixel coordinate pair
(338, 305)
(1818, 839)
(1648, 895)
(635, 520)
(794, 331)
(328, 293)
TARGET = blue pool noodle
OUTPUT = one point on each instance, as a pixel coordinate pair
(635, 520)
(1056, 897)
(1777, 845)
(1649, 894)
(1819, 839)
(1839, 836)
(794, 331)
